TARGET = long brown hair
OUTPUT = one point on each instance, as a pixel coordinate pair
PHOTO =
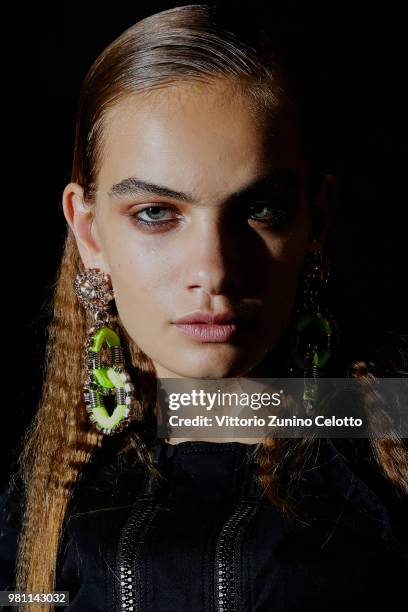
(187, 42)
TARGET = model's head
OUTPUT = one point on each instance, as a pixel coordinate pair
(195, 187)
(191, 187)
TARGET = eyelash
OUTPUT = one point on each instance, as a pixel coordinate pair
(279, 216)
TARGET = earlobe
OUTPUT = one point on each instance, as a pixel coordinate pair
(80, 217)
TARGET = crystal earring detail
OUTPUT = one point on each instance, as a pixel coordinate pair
(315, 336)
(103, 358)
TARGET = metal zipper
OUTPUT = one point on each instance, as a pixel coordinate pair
(227, 556)
(227, 552)
(129, 556)
(227, 560)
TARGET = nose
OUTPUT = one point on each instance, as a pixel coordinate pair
(214, 258)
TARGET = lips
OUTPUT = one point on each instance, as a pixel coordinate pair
(211, 318)
(210, 326)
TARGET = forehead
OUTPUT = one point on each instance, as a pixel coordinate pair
(201, 137)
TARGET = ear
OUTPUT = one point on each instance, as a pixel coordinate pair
(81, 218)
(322, 211)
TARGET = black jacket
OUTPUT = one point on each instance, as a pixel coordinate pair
(207, 541)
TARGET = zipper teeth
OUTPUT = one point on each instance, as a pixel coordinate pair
(129, 557)
(225, 569)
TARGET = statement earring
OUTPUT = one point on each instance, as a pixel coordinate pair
(103, 358)
(315, 330)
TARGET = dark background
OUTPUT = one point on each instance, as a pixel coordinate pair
(357, 54)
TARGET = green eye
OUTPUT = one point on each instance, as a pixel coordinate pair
(154, 212)
(261, 209)
(272, 214)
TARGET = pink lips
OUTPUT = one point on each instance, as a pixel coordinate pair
(209, 327)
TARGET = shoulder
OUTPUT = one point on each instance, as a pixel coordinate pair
(372, 481)
(106, 481)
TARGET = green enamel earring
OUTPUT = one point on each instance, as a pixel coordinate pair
(315, 335)
(104, 366)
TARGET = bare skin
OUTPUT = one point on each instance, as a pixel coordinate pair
(214, 254)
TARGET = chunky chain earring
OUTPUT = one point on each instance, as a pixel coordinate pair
(103, 358)
(315, 331)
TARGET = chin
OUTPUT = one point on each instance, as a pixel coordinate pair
(212, 366)
(210, 373)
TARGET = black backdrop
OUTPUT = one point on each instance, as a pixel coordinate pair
(358, 49)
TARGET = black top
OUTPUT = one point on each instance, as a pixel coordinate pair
(207, 540)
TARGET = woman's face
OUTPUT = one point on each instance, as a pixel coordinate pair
(196, 210)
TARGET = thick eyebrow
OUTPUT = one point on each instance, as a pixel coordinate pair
(133, 187)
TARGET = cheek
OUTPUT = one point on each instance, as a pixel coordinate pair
(285, 273)
(140, 285)
(140, 275)
(287, 252)
(288, 247)
(134, 260)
